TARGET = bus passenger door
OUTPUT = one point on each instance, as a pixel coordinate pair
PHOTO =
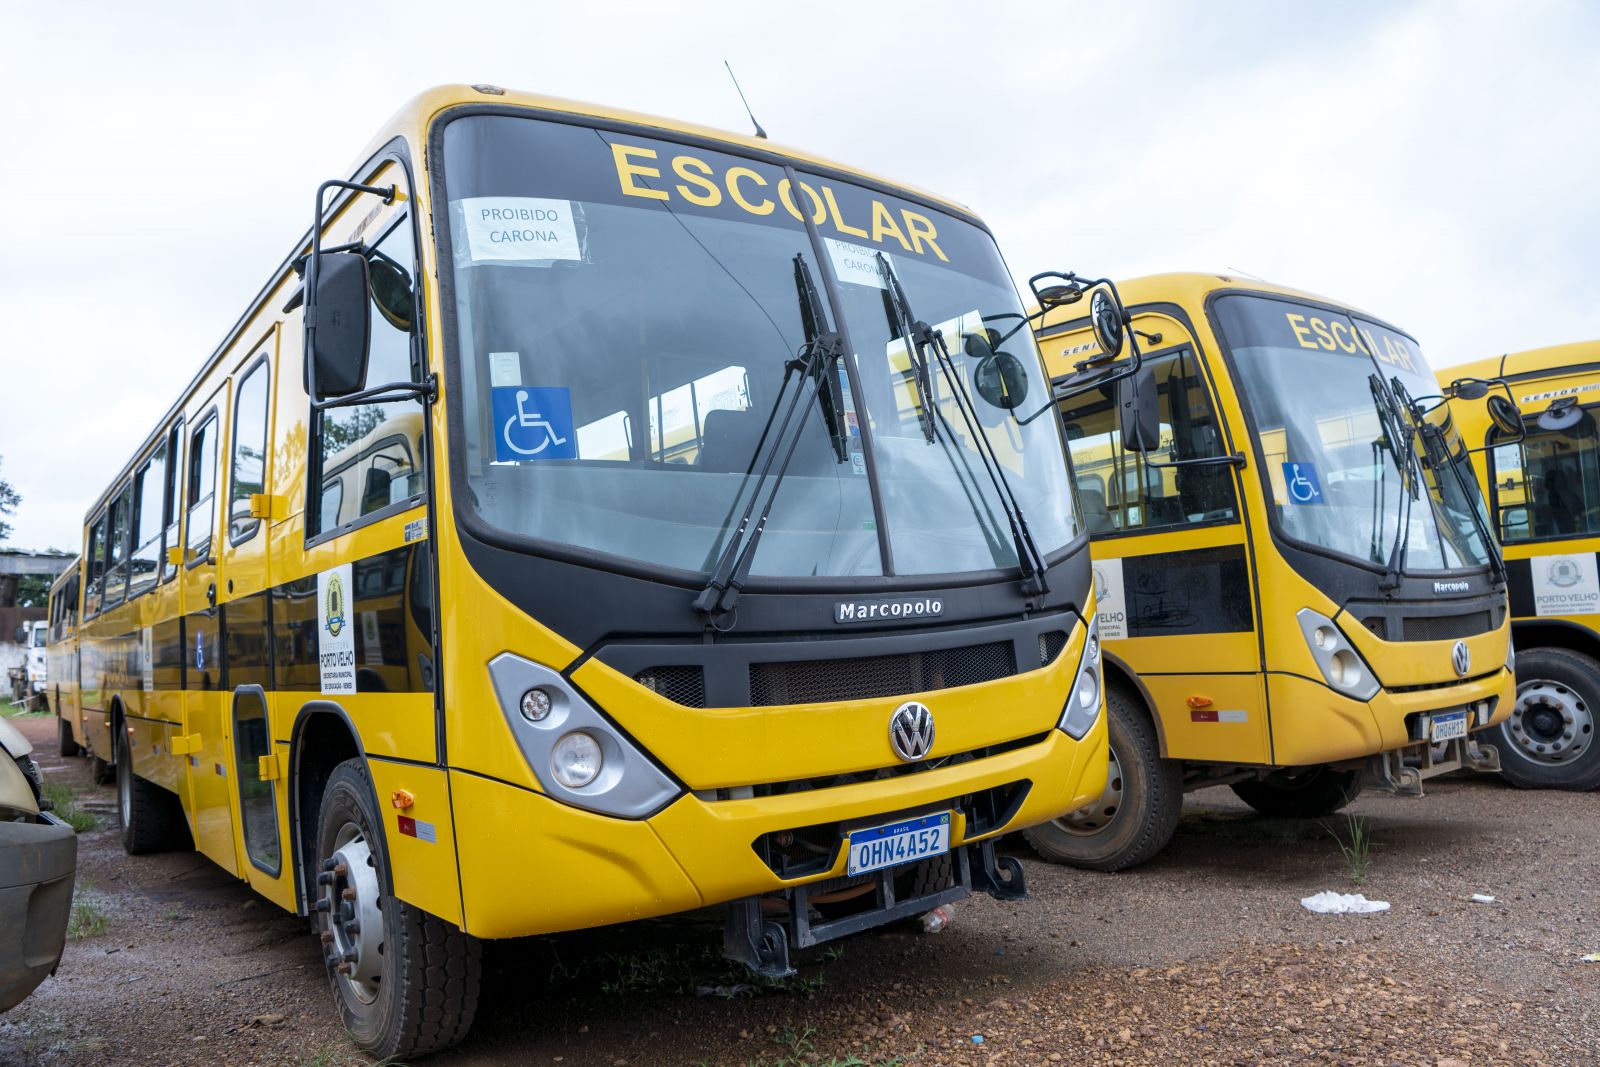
(205, 739)
(1172, 570)
(246, 531)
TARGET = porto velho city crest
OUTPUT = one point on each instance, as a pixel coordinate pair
(333, 606)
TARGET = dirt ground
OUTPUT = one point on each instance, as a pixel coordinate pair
(1202, 956)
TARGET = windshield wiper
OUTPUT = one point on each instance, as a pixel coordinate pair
(920, 339)
(814, 319)
(819, 363)
(1389, 420)
(1435, 456)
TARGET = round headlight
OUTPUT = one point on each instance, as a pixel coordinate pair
(535, 705)
(576, 760)
(1346, 669)
(1088, 690)
(1324, 638)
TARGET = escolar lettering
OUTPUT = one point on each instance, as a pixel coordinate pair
(700, 184)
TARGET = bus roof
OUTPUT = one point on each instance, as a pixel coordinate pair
(1192, 287)
(412, 121)
(1549, 362)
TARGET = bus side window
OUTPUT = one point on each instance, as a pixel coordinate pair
(358, 443)
(247, 475)
(95, 566)
(171, 494)
(202, 487)
(1121, 490)
(116, 580)
(1549, 485)
(149, 487)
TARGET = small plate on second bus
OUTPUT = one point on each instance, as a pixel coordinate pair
(900, 842)
(1448, 727)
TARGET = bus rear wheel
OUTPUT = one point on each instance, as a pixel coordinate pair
(151, 817)
(1301, 793)
(1135, 817)
(406, 982)
(1549, 740)
(69, 746)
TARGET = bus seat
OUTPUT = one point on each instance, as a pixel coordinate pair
(730, 439)
(1095, 514)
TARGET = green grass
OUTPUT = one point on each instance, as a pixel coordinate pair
(65, 799)
(10, 709)
(1358, 851)
(88, 918)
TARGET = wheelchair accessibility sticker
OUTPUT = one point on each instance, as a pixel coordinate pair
(1301, 481)
(533, 423)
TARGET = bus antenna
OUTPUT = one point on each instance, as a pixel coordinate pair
(759, 131)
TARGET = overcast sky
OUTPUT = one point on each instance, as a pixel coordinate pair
(1435, 163)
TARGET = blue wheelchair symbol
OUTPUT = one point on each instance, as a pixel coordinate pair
(1302, 483)
(533, 423)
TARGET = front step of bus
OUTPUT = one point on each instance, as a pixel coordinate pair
(761, 931)
(1402, 771)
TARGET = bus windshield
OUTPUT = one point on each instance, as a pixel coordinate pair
(627, 327)
(1334, 480)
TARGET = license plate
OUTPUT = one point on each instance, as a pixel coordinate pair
(1448, 727)
(900, 842)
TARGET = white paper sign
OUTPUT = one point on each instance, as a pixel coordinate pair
(519, 229)
(336, 630)
(1109, 605)
(1565, 585)
(856, 264)
(505, 368)
(147, 659)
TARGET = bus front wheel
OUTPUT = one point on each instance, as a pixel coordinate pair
(1135, 816)
(1549, 741)
(1301, 793)
(406, 982)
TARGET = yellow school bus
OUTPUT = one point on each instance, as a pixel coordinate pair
(1266, 627)
(1544, 495)
(61, 659)
(585, 523)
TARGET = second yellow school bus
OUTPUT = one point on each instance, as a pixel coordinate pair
(1544, 495)
(598, 517)
(1295, 600)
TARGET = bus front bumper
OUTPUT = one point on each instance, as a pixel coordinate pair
(532, 865)
(1313, 724)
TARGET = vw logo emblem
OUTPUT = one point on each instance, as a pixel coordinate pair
(911, 731)
(1461, 659)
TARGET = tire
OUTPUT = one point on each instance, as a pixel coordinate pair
(1550, 741)
(406, 982)
(1134, 818)
(151, 817)
(68, 747)
(1301, 793)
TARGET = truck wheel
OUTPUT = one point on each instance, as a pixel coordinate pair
(69, 747)
(406, 982)
(1301, 792)
(1135, 816)
(1549, 741)
(152, 817)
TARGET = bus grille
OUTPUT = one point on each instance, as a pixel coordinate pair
(1446, 627)
(681, 684)
(866, 677)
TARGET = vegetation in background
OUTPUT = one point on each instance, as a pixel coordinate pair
(65, 799)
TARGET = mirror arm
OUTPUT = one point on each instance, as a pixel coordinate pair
(427, 389)
(1236, 460)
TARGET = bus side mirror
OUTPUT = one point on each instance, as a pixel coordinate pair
(339, 325)
(1505, 416)
(1138, 419)
(1107, 319)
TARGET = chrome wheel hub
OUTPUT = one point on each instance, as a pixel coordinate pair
(1551, 723)
(351, 918)
(1097, 815)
